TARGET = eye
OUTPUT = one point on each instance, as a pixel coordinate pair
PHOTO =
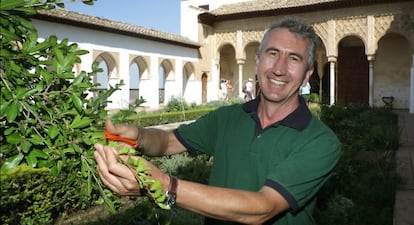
(295, 59)
(273, 53)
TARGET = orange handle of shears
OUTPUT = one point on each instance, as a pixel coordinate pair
(114, 137)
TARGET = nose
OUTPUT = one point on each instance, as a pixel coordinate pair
(280, 65)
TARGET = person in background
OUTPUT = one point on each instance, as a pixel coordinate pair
(223, 88)
(248, 90)
(229, 87)
(271, 156)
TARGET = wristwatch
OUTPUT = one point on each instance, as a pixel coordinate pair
(172, 191)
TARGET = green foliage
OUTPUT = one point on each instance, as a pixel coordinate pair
(314, 97)
(33, 196)
(47, 119)
(157, 118)
(369, 139)
(177, 104)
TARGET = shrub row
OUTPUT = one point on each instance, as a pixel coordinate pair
(33, 196)
(158, 118)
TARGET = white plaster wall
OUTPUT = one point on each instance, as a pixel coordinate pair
(392, 73)
(125, 46)
(190, 11)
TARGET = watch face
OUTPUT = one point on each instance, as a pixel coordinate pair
(170, 200)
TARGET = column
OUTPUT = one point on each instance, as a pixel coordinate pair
(412, 87)
(240, 63)
(371, 59)
(215, 80)
(332, 84)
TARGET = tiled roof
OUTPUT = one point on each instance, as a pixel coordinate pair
(262, 5)
(261, 8)
(98, 23)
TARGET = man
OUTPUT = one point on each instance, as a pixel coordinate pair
(270, 155)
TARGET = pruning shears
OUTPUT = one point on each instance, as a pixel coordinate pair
(114, 137)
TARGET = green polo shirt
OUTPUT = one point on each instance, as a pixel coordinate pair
(294, 156)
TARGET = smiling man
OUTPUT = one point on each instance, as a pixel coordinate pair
(270, 155)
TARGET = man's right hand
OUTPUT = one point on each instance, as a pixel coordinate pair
(123, 130)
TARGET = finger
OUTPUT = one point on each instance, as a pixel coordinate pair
(118, 184)
(100, 151)
(104, 174)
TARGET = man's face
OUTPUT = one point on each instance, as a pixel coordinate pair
(282, 68)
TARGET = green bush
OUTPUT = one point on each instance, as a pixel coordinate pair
(33, 196)
(47, 119)
(369, 138)
(177, 104)
(158, 118)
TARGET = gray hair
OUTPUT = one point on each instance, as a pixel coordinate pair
(294, 25)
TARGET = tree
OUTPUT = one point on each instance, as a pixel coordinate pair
(47, 119)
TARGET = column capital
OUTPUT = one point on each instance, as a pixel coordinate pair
(241, 61)
(332, 58)
(371, 57)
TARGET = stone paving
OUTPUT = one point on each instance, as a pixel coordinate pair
(404, 197)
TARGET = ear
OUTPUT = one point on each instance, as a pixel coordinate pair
(307, 77)
(257, 62)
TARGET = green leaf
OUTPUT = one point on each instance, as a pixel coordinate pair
(25, 93)
(54, 170)
(89, 185)
(12, 4)
(9, 131)
(4, 53)
(25, 145)
(53, 131)
(11, 163)
(39, 47)
(88, 2)
(4, 107)
(77, 102)
(14, 139)
(31, 159)
(8, 35)
(28, 24)
(80, 122)
(59, 55)
(12, 111)
(35, 139)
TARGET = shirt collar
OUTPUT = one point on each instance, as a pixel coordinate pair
(298, 119)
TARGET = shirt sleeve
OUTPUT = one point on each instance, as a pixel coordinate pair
(200, 136)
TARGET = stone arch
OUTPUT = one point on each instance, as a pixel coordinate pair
(388, 70)
(397, 24)
(188, 75)
(168, 69)
(228, 66)
(108, 64)
(316, 80)
(249, 68)
(204, 80)
(352, 72)
(138, 70)
(165, 73)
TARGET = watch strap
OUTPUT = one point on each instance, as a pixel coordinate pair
(172, 191)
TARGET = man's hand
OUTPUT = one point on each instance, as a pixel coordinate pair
(123, 130)
(119, 177)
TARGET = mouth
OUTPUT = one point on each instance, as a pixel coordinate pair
(278, 82)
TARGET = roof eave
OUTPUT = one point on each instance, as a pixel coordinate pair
(68, 21)
(210, 18)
